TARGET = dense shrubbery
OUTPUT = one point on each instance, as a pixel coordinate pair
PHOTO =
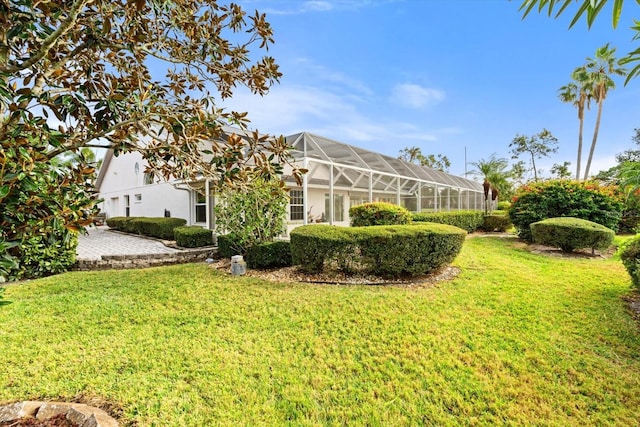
(45, 254)
(43, 205)
(569, 234)
(630, 255)
(269, 255)
(496, 222)
(387, 251)
(192, 236)
(563, 198)
(252, 216)
(230, 245)
(503, 206)
(630, 221)
(469, 221)
(378, 213)
(159, 227)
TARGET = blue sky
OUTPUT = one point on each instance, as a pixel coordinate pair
(441, 75)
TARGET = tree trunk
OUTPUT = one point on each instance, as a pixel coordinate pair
(486, 186)
(579, 160)
(535, 171)
(595, 139)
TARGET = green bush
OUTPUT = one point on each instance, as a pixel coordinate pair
(192, 236)
(118, 222)
(630, 255)
(563, 198)
(159, 227)
(269, 255)
(387, 251)
(44, 202)
(46, 254)
(230, 245)
(496, 222)
(469, 221)
(569, 234)
(254, 215)
(504, 205)
(378, 213)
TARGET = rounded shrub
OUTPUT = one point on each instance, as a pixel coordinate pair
(569, 234)
(378, 213)
(192, 236)
(269, 255)
(386, 250)
(563, 198)
(630, 256)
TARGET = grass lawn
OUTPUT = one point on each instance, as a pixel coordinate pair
(516, 339)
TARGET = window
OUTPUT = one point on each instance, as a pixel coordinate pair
(357, 200)
(148, 178)
(137, 198)
(127, 206)
(296, 205)
(338, 206)
(201, 208)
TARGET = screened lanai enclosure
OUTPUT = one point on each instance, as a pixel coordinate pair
(340, 176)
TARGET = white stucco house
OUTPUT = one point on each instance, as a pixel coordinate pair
(340, 176)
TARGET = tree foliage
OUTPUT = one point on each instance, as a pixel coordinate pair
(589, 11)
(434, 161)
(561, 171)
(536, 146)
(142, 76)
(254, 216)
(495, 177)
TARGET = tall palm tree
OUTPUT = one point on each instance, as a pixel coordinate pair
(601, 69)
(493, 174)
(578, 93)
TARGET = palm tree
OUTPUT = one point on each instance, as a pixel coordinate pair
(600, 70)
(578, 93)
(493, 173)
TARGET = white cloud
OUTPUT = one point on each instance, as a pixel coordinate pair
(415, 96)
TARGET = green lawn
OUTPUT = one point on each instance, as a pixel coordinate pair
(516, 339)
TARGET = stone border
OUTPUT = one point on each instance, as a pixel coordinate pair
(78, 413)
(108, 262)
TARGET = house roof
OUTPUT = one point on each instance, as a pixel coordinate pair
(350, 157)
(333, 152)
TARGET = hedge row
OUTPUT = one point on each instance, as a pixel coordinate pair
(387, 251)
(193, 236)
(467, 220)
(160, 227)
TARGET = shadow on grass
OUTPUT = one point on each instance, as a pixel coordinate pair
(2, 302)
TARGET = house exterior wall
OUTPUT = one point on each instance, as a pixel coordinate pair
(121, 181)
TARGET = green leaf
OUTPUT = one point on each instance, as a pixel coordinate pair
(4, 190)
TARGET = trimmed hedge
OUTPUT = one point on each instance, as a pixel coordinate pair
(387, 251)
(192, 236)
(630, 256)
(269, 255)
(378, 213)
(499, 222)
(469, 221)
(572, 233)
(230, 245)
(159, 227)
